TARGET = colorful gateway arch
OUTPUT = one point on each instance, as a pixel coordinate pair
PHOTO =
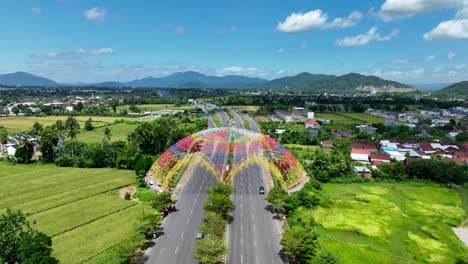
(226, 151)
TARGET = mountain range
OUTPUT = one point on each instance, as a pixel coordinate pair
(308, 82)
(460, 88)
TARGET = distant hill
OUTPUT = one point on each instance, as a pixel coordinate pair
(192, 79)
(329, 83)
(25, 79)
(460, 88)
(430, 86)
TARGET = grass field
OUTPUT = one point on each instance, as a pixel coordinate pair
(216, 119)
(244, 108)
(119, 131)
(349, 118)
(390, 223)
(79, 208)
(300, 151)
(155, 107)
(15, 124)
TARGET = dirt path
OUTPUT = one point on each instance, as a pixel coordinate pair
(129, 189)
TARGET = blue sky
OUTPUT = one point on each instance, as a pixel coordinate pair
(415, 41)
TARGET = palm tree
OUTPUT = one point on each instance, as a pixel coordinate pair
(72, 127)
(107, 135)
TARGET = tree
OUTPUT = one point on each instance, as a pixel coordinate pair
(162, 200)
(36, 128)
(279, 200)
(213, 224)
(3, 135)
(218, 203)
(72, 126)
(24, 152)
(134, 109)
(221, 188)
(114, 103)
(89, 125)
(107, 135)
(60, 127)
(210, 250)
(15, 110)
(462, 137)
(19, 243)
(299, 244)
(149, 224)
(79, 106)
(48, 141)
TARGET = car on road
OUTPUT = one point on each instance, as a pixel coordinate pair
(199, 236)
(261, 190)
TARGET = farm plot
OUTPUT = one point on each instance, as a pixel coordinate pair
(79, 208)
(391, 223)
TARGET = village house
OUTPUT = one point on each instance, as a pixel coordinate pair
(313, 127)
(339, 133)
(284, 115)
(367, 129)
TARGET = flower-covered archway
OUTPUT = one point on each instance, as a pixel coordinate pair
(226, 151)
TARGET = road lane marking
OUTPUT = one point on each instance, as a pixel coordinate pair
(257, 260)
(177, 248)
(182, 235)
(162, 249)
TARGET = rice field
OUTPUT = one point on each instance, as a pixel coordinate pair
(244, 108)
(79, 208)
(391, 223)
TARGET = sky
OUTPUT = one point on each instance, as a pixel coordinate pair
(412, 41)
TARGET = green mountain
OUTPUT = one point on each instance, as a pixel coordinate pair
(25, 79)
(351, 82)
(460, 88)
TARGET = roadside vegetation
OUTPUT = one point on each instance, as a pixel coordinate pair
(212, 247)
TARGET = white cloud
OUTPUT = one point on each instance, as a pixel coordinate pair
(460, 67)
(36, 10)
(452, 73)
(400, 61)
(451, 55)
(179, 30)
(237, 70)
(95, 13)
(371, 36)
(430, 58)
(397, 9)
(102, 51)
(316, 20)
(452, 29)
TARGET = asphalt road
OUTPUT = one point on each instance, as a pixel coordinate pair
(238, 121)
(211, 123)
(253, 125)
(254, 235)
(175, 246)
(224, 118)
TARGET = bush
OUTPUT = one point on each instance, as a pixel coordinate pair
(127, 196)
(145, 195)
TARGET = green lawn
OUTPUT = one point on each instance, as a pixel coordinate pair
(391, 223)
(119, 131)
(300, 151)
(349, 118)
(79, 208)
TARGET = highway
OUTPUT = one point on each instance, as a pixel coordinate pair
(211, 123)
(254, 235)
(175, 246)
(224, 118)
(253, 125)
(239, 122)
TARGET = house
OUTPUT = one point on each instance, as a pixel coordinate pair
(286, 116)
(362, 171)
(361, 155)
(339, 133)
(325, 121)
(299, 111)
(452, 134)
(326, 144)
(390, 122)
(377, 157)
(310, 115)
(312, 124)
(365, 145)
(367, 129)
(439, 122)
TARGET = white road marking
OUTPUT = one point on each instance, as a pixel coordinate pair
(257, 260)
(242, 258)
(162, 249)
(177, 248)
(182, 235)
